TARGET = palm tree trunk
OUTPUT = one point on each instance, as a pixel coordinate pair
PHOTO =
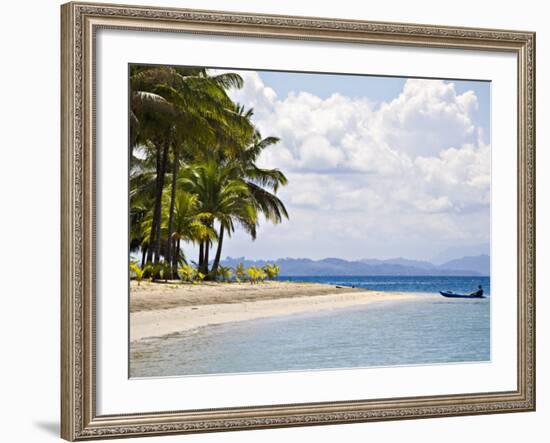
(150, 249)
(143, 256)
(158, 202)
(201, 255)
(205, 261)
(175, 257)
(218, 251)
(171, 213)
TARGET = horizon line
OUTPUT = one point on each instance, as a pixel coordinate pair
(346, 259)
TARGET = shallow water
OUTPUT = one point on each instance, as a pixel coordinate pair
(424, 330)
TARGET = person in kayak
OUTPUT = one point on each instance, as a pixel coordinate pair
(477, 293)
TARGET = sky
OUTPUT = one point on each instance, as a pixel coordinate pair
(378, 167)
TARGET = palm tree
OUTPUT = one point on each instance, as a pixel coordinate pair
(151, 124)
(221, 197)
(184, 125)
(142, 188)
(186, 224)
(262, 185)
(170, 105)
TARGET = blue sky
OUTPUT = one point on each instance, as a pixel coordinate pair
(378, 167)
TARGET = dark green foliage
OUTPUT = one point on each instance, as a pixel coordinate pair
(193, 170)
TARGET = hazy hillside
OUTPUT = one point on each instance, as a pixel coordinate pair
(457, 252)
(400, 266)
(479, 263)
(399, 261)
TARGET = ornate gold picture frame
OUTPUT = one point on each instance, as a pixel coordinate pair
(80, 22)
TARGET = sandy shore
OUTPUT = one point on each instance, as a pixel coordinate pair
(162, 309)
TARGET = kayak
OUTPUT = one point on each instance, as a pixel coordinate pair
(453, 295)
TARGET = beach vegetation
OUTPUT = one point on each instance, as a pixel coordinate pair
(194, 172)
(271, 270)
(186, 273)
(136, 271)
(149, 271)
(190, 274)
(240, 273)
(255, 274)
(198, 276)
(224, 273)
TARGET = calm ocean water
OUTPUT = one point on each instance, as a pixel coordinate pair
(427, 330)
(432, 284)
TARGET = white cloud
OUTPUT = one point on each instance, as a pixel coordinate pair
(410, 174)
(316, 152)
(427, 117)
(254, 94)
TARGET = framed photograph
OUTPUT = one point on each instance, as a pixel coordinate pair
(277, 221)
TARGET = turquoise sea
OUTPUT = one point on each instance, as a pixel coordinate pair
(430, 329)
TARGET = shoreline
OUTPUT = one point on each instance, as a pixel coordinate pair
(157, 310)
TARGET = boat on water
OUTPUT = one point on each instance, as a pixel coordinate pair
(451, 294)
(476, 294)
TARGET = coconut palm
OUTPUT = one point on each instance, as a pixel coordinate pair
(194, 173)
(142, 189)
(262, 185)
(221, 197)
(185, 222)
(170, 105)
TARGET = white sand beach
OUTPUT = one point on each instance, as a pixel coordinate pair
(161, 309)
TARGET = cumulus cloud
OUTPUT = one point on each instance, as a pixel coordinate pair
(412, 172)
(427, 117)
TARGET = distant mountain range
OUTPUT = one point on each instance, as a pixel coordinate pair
(470, 265)
(467, 250)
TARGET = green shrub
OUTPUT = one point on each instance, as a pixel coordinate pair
(156, 271)
(271, 270)
(256, 274)
(190, 274)
(198, 276)
(224, 273)
(186, 273)
(240, 273)
(136, 271)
